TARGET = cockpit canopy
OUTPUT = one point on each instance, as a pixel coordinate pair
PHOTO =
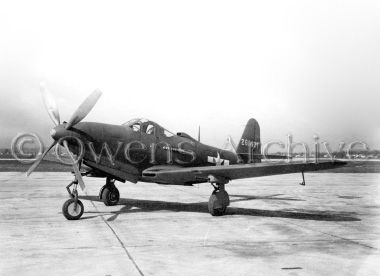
(149, 127)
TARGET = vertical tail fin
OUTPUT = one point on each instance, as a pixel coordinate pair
(249, 148)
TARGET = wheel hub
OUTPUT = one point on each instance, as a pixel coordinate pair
(113, 196)
(74, 210)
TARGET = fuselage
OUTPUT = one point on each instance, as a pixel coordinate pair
(125, 151)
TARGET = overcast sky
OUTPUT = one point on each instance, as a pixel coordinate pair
(299, 67)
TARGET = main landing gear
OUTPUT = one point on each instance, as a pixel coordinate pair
(109, 194)
(219, 200)
(73, 208)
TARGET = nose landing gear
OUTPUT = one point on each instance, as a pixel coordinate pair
(109, 194)
(73, 208)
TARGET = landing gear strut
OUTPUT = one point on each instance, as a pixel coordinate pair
(109, 194)
(73, 208)
(219, 200)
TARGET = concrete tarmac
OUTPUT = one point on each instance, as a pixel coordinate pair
(273, 226)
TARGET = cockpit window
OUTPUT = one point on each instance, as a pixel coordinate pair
(136, 127)
(135, 121)
(150, 129)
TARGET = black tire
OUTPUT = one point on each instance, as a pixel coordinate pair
(110, 196)
(68, 209)
(101, 192)
(225, 198)
(217, 204)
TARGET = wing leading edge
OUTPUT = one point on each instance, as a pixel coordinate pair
(180, 175)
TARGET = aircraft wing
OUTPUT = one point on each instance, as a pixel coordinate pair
(190, 175)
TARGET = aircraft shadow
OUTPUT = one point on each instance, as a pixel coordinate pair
(130, 205)
(268, 197)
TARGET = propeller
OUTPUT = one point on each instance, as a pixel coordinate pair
(79, 114)
(229, 144)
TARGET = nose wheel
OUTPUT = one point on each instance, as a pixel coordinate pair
(73, 208)
(109, 194)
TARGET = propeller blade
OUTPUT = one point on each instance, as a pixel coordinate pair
(50, 105)
(84, 108)
(39, 159)
(232, 143)
(75, 165)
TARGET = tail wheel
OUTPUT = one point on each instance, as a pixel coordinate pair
(218, 202)
(110, 196)
(72, 209)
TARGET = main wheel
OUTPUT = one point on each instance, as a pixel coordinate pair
(225, 198)
(218, 202)
(110, 196)
(72, 210)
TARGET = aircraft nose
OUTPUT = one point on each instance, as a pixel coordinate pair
(58, 132)
(53, 132)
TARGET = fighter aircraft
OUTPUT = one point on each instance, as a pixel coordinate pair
(142, 150)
